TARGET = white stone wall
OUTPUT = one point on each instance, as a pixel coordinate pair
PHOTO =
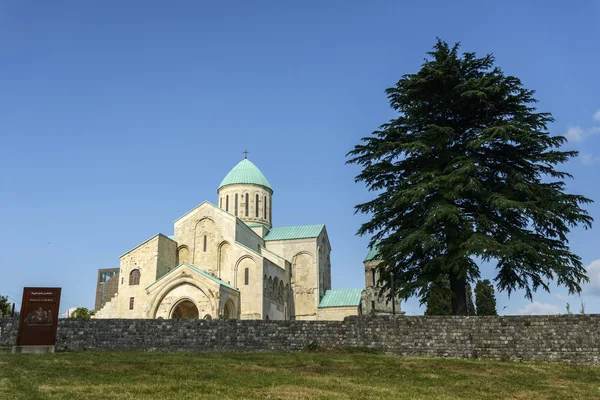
(372, 300)
(304, 279)
(146, 259)
(276, 292)
(337, 313)
(204, 221)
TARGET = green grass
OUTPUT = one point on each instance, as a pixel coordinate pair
(337, 375)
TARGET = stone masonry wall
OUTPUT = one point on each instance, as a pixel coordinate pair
(568, 338)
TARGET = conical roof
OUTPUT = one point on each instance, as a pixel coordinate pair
(245, 172)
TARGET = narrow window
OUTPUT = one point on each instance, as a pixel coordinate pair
(265, 207)
(236, 204)
(220, 202)
(205, 243)
(227, 203)
(372, 305)
(247, 204)
(131, 299)
(271, 211)
(374, 277)
(246, 273)
(121, 280)
(134, 277)
(256, 206)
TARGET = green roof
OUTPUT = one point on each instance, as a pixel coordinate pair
(373, 253)
(294, 232)
(245, 172)
(341, 298)
(200, 271)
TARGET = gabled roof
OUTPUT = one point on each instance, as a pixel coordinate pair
(198, 270)
(294, 232)
(245, 172)
(373, 253)
(341, 298)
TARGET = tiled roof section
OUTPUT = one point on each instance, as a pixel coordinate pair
(200, 271)
(341, 298)
(373, 253)
(245, 172)
(294, 232)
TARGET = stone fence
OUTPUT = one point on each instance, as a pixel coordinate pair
(566, 338)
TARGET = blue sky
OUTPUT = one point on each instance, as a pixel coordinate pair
(118, 117)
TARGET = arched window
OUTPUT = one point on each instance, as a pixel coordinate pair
(207, 316)
(227, 203)
(205, 243)
(256, 206)
(134, 277)
(265, 207)
(236, 204)
(374, 277)
(247, 205)
(183, 255)
(246, 275)
(271, 211)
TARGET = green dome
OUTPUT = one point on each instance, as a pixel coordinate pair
(245, 172)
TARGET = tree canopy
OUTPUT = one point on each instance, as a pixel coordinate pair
(5, 306)
(82, 312)
(466, 172)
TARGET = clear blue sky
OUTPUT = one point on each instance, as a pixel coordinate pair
(118, 117)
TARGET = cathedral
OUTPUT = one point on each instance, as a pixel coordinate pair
(228, 261)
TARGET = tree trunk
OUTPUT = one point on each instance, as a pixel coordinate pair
(458, 286)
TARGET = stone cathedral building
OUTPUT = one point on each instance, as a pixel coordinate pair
(229, 261)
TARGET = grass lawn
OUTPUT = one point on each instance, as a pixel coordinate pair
(122, 375)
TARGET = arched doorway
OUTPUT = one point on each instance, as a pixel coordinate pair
(227, 311)
(185, 310)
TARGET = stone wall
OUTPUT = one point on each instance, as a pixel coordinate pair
(574, 338)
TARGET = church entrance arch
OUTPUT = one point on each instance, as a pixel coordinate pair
(185, 309)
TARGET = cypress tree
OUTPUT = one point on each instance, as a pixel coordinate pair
(439, 300)
(466, 171)
(485, 298)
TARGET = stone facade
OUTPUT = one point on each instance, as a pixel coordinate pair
(567, 338)
(373, 300)
(222, 262)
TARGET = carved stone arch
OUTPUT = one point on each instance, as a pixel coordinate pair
(270, 287)
(223, 252)
(237, 265)
(304, 259)
(265, 282)
(206, 217)
(229, 310)
(205, 241)
(183, 254)
(275, 287)
(160, 296)
(280, 292)
(177, 303)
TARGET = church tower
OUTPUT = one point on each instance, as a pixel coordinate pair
(246, 193)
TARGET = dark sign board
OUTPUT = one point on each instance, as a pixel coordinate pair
(39, 317)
